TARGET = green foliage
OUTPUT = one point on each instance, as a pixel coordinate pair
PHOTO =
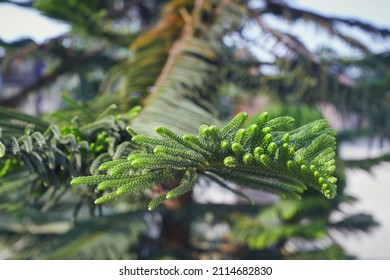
(367, 164)
(259, 157)
(272, 225)
(108, 237)
(56, 154)
(185, 57)
(15, 123)
(278, 225)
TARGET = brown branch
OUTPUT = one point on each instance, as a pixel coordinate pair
(176, 48)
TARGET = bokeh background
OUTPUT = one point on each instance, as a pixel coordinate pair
(36, 37)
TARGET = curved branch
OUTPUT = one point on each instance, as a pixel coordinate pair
(282, 9)
(69, 65)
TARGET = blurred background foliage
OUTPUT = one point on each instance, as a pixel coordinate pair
(185, 62)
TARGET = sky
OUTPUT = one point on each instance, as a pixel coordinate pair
(375, 12)
(16, 23)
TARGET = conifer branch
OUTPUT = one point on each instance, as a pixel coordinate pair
(58, 154)
(259, 156)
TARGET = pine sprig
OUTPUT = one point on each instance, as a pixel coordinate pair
(58, 154)
(259, 157)
(186, 184)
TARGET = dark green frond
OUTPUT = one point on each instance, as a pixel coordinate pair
(367, 164)
(355, 223)
(111, 237)
(14, 123)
